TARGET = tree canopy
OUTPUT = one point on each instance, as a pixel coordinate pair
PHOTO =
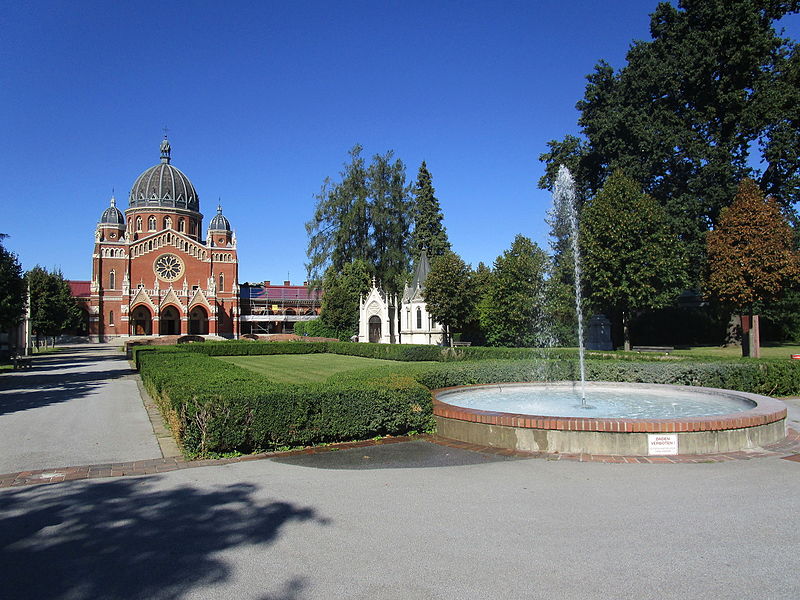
(686, 116)
(449, 292)
(340, 302)
(429, 232)
(631, 258)
(52, 307)
(512, 307)
(12, 288)
(751, 254)
(365, 216)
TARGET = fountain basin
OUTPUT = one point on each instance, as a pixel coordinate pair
(738, 420)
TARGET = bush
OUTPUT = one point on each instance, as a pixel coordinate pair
(213, 406)
(315, 328)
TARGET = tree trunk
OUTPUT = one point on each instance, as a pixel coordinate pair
(751, 343)
(755, 336)
(626, 330)
(733, 333)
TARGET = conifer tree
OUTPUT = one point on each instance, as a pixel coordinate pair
(429, 233)
(366, 216)
(390, 219)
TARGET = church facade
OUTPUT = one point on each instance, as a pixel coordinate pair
(153, 271)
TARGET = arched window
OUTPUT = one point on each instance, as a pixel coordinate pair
(419, 318)
(138, 223)
(111, 317)
(167, 223)
(112, 280)
(221, 282)
(192, 227)
(181, 225)
(151, 223)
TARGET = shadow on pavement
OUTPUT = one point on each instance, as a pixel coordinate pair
(128, 539)
(36, 390)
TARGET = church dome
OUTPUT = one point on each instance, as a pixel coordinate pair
(164, 185)
(219, 222)
(112, 215)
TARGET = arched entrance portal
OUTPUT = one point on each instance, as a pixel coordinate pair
(374, 329)
(198, 321)
(141, 321)
(170, 322)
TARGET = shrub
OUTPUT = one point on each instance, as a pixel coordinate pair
(213, 406)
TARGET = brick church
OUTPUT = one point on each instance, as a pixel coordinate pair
(154, 272)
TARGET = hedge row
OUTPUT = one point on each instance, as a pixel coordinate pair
(767, 378)
(215, 407)
(401, 352)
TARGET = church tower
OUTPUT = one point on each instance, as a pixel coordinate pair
(153, 272)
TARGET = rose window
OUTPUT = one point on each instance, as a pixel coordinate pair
(168, 267)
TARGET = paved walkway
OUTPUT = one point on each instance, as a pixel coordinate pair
(79, 406)
(496, 529)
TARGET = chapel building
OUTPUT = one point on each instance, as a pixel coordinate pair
(384, 320)
(153, 272)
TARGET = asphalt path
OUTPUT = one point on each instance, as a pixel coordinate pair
(505, 529)
(78, 406)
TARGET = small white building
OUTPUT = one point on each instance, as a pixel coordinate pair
(377, 312)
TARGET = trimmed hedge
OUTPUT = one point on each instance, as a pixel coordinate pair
(767, 378)
(213, 406)
(405, 352)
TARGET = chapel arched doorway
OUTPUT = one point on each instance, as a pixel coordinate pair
(170, 322)
(198, 321)
(374, 329)
(141, 321)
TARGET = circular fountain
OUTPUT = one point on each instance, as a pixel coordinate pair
(605, 418)
(621, 419)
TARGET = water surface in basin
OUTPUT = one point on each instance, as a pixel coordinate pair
(606, 402)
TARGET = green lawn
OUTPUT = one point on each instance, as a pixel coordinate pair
(771, 351)
(304, 368)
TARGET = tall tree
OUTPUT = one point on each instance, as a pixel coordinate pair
(53, 310)
(343, 289)
(365, 216)
(449, 292)
(686, 112)
(12, 288)
(511, 310)
(339, 230)
(751, 254)
(429, 232)
(389, 215)
(631, 258)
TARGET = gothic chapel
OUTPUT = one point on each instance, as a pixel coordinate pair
(152, 271)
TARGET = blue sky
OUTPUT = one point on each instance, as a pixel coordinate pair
(264, 99)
